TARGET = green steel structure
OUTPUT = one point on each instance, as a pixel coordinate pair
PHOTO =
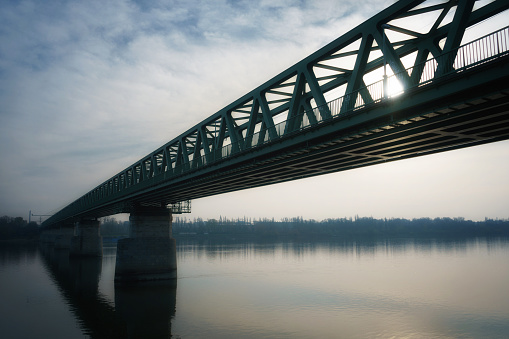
(381, 92)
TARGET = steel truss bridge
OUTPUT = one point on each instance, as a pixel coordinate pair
(384, 91)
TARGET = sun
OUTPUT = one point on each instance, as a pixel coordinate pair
(393, 87)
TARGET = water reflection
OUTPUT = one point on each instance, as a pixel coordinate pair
(269, 288)
(17, 255)
(146, 310)
(352, 288)
(221, 248)
(137, 312)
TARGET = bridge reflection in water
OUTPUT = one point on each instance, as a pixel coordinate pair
(141, 311)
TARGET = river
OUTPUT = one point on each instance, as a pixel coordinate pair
(384, 288)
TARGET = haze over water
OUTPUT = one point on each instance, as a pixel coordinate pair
(453, 288)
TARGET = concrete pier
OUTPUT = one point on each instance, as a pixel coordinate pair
(88, 241)
(64, 237)
(149, 254)
(49, 236)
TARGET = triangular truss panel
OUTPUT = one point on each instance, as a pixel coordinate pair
(280, 94)
(338, 65)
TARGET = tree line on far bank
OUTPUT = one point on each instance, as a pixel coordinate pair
(358, 226)
(18, 228)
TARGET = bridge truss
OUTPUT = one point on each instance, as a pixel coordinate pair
(381, 92)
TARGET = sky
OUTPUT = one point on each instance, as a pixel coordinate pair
(89, 87)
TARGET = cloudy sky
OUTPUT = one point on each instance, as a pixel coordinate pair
(89, 87)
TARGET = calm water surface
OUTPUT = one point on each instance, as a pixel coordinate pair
(265, 289)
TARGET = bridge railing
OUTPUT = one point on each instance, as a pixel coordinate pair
(482, 50)
(477, 52)
(472, 54)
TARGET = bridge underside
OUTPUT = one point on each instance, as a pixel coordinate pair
(397, 129)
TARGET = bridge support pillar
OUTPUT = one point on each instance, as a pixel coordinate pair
(48, 236)
(88, 241)
(149, 254)
(64, 237)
